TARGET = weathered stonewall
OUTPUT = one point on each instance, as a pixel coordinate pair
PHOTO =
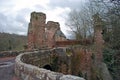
(30, 72)
(42, 35)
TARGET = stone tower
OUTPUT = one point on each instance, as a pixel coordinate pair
(98, 24)
(36, 30)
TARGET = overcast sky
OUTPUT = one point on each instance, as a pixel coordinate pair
(15, 14)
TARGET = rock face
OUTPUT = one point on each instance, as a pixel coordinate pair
(42, 35)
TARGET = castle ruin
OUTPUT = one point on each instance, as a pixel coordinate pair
(85, 59)
(41, 34)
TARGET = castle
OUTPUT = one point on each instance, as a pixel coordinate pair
(55, 64)
(41, 34)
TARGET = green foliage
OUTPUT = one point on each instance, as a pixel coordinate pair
(111, 60)
(54, 62)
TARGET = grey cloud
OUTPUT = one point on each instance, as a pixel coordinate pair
(10, 22)
(14, 23)
(20, 24)
(73, 4)
(21, 14)
(3, 20)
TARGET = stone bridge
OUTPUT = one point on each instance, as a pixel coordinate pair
(51, 64)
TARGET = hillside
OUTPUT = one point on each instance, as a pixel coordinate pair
(12, 41)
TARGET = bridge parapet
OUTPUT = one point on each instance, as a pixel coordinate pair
(26, 69)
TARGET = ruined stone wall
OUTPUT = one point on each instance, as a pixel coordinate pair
(54, 58)
(66, 43)
(82, 62)
(36, 30)
(52, 27)
(86, 62)
(30, 72)
(40, 34)
(60, 38)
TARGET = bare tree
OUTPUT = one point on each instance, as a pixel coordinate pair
(80, 21)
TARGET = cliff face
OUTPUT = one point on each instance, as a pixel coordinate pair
(42, 35)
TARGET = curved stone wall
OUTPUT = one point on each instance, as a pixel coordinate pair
(39, 59)
(30, 72)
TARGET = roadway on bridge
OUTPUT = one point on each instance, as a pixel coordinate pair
(7, 68)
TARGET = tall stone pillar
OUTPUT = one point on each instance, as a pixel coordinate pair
(98, 24)
(37, 28)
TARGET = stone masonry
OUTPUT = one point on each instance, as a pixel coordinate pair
(98, 24)
(42, 35)
(85, 60)
(36, 30)
(30, 72)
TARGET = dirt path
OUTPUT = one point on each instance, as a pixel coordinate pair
(7, 69)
